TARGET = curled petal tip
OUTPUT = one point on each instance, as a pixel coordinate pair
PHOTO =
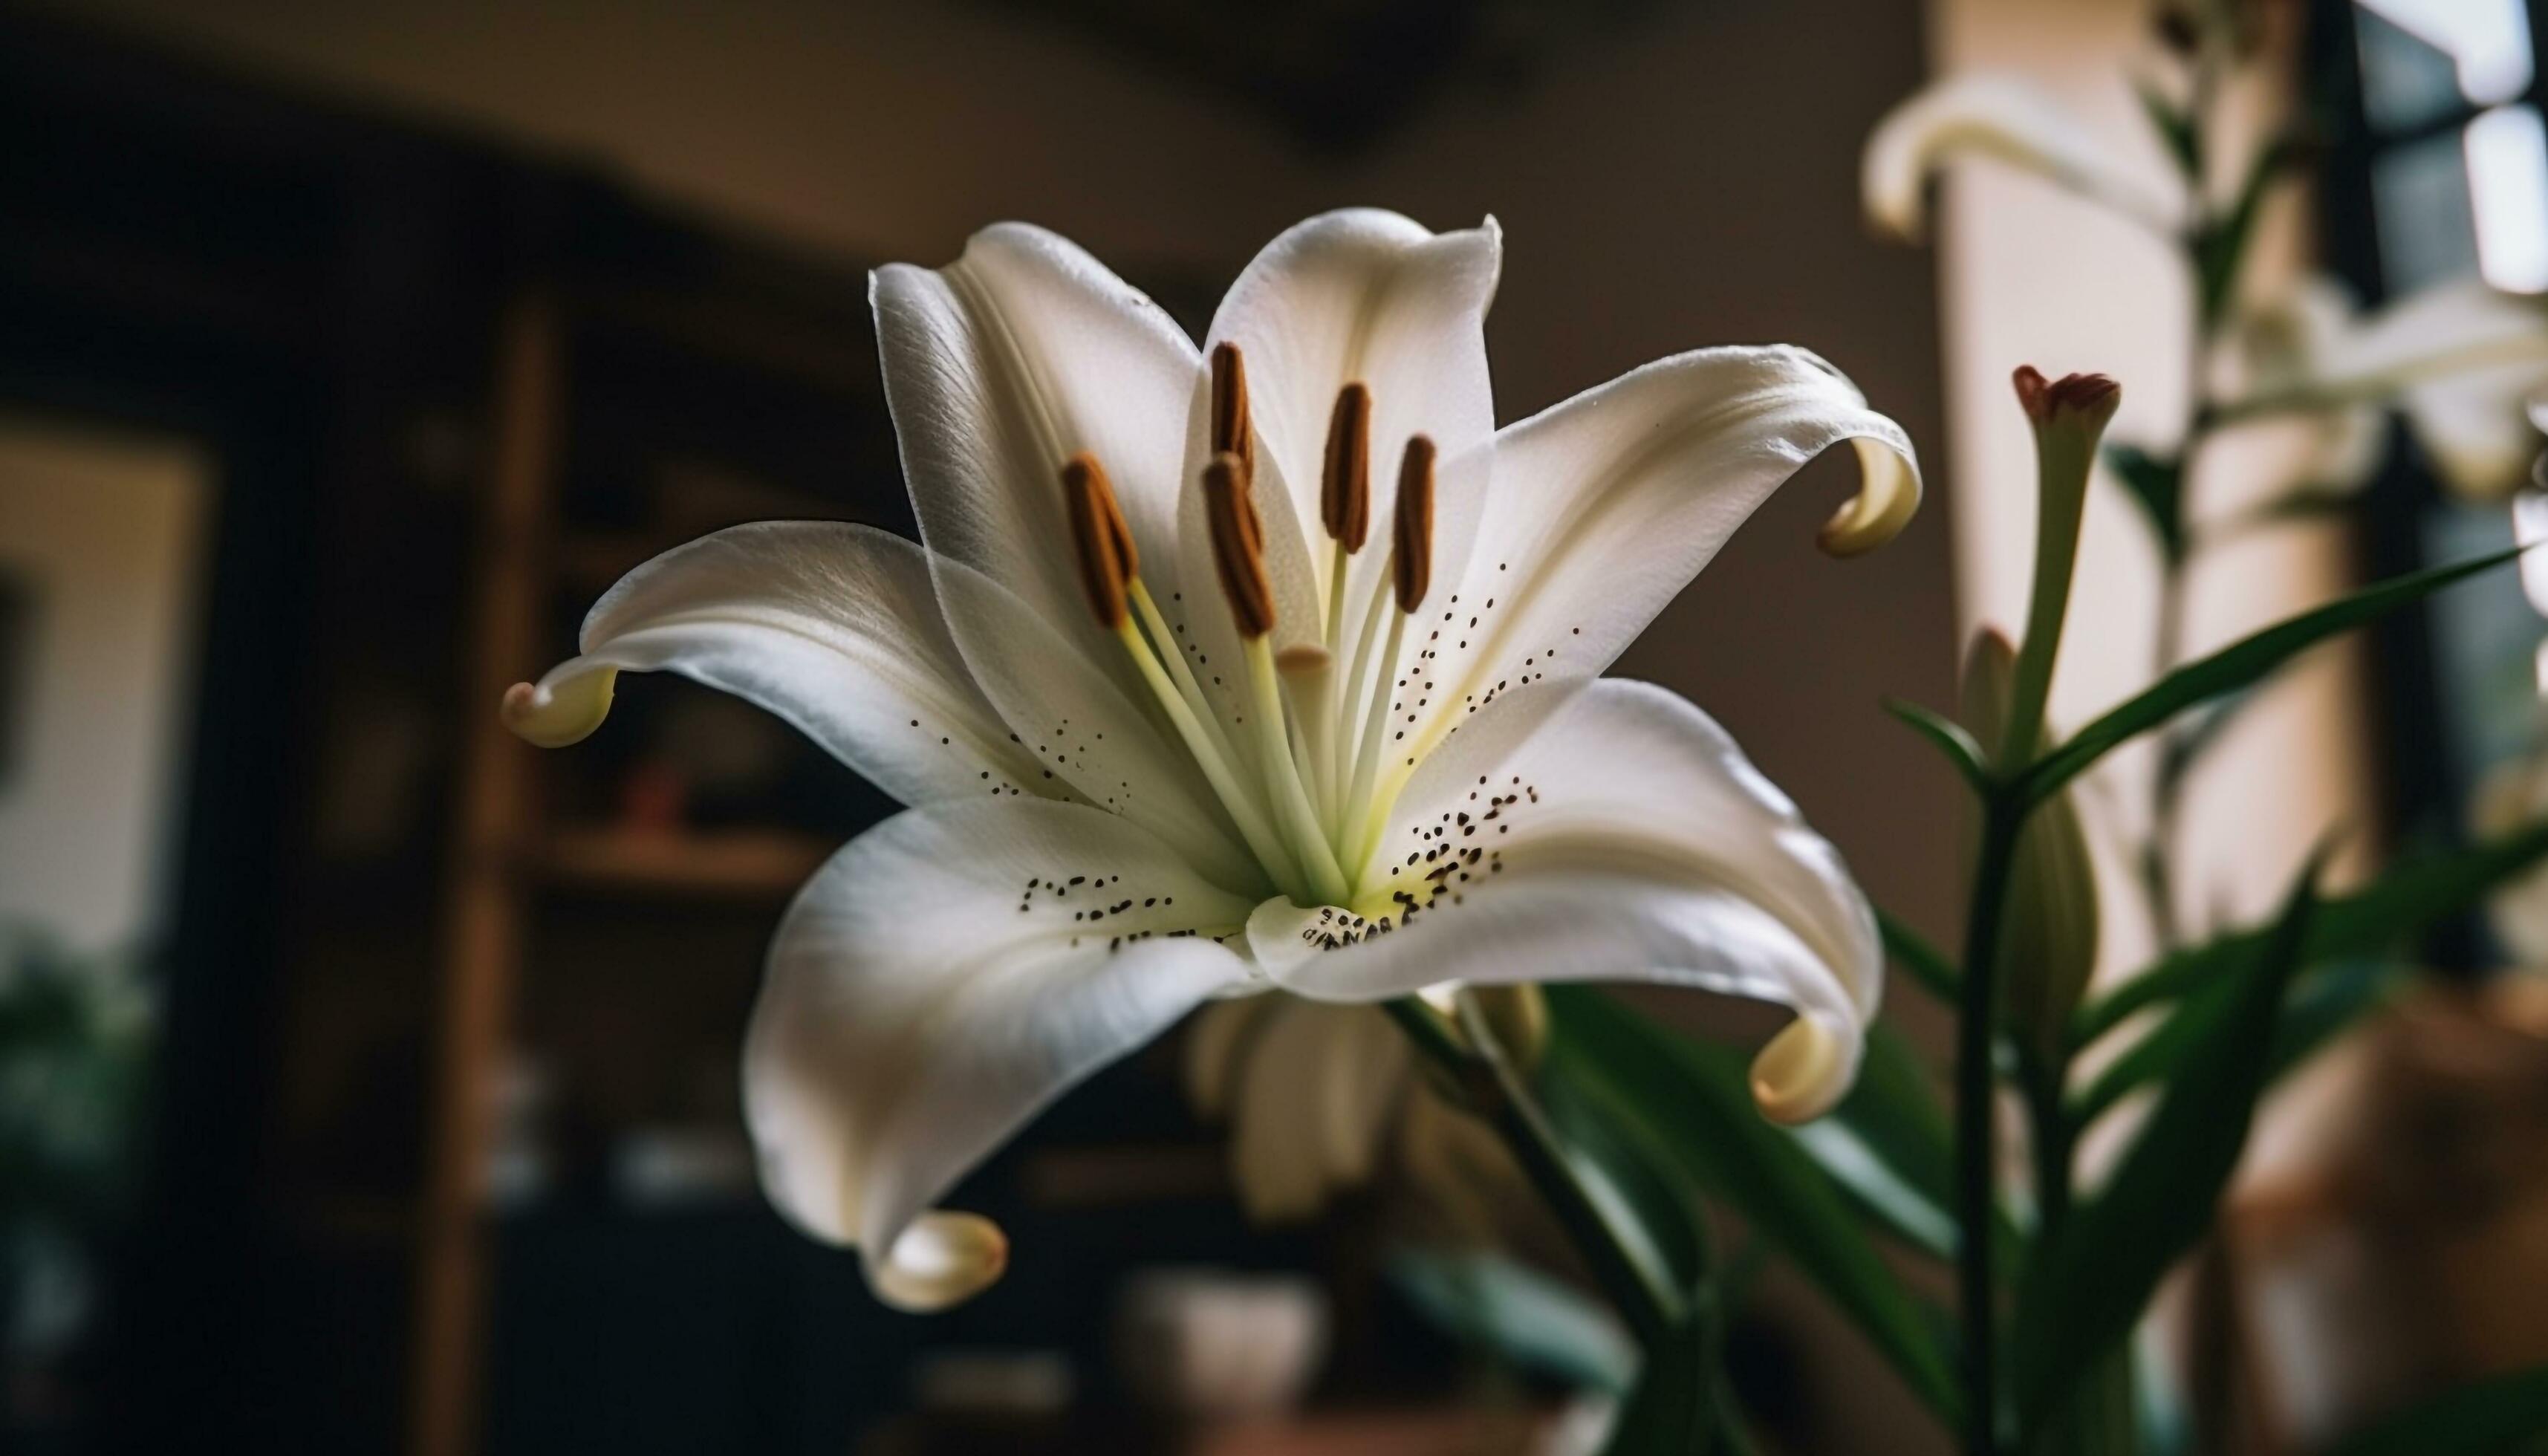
(942, 1260)
(1886, 499)
(1801, 1074)
(2009, 121)
(562, 708)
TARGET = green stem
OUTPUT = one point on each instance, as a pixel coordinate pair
(1493, 1088)
(1978, 1014)
(2050, 1134)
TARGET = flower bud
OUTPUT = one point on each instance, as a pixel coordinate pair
(2048, 938)
(2069, 416)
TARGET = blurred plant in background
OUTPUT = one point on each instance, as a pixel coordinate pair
(2052, 1290)
(75, 1032)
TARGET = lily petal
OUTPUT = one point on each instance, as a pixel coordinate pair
(1082, 729)
(2471, 360)
(2008, 120)
(1317, 1091)
(915, 1016)
(2460, 359)
(1369, 296)
(1607, 504)
(1006, 363)
(2282, 344)
(832, 627)
(1626, 838)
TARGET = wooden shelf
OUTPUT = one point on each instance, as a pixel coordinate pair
(737, 864)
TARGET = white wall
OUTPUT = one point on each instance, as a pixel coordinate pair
(105, 533)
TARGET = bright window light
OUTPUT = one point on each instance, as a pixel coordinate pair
(2488, 41)
(2507, 162)
(2530, 524)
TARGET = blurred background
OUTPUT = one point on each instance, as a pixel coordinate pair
(368, 1081)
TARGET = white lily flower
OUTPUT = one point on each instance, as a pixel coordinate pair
(2461, 361)
(2011, 121)
(1160, 747)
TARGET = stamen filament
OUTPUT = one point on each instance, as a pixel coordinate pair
(1359, 824)
(1334, 768)
(1155, 624)
(1244, 812)
(1363, 679)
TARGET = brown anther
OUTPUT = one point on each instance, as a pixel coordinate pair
(1103, 543)
(1344, 488)
(1231, 433)
(1412, 563)
(1236, 557)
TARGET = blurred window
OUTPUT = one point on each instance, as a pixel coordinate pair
(2440, 172)
(2459, 161)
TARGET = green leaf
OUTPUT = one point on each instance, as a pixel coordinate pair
(1651, 1208)
(2174, 126)
(1534, 1321)
(2503, 1414)
(2320, 1006)
(2223, 246)
(1887, 1142)
(2088, 1284)
(2179, 750)
(2239, 664)
(1698, 1112)
(2410, 895)
(1949, 737)
(1670, 1411)
(2157, 486)
(1929, 967)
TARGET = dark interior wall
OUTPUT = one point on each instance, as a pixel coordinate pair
(1687, 179)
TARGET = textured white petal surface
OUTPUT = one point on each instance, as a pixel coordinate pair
(832, 627)
(914, 1017)
(1606, 505)
(999, 368)
(1371, 297)
(1082, 727)
(1625, 839)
